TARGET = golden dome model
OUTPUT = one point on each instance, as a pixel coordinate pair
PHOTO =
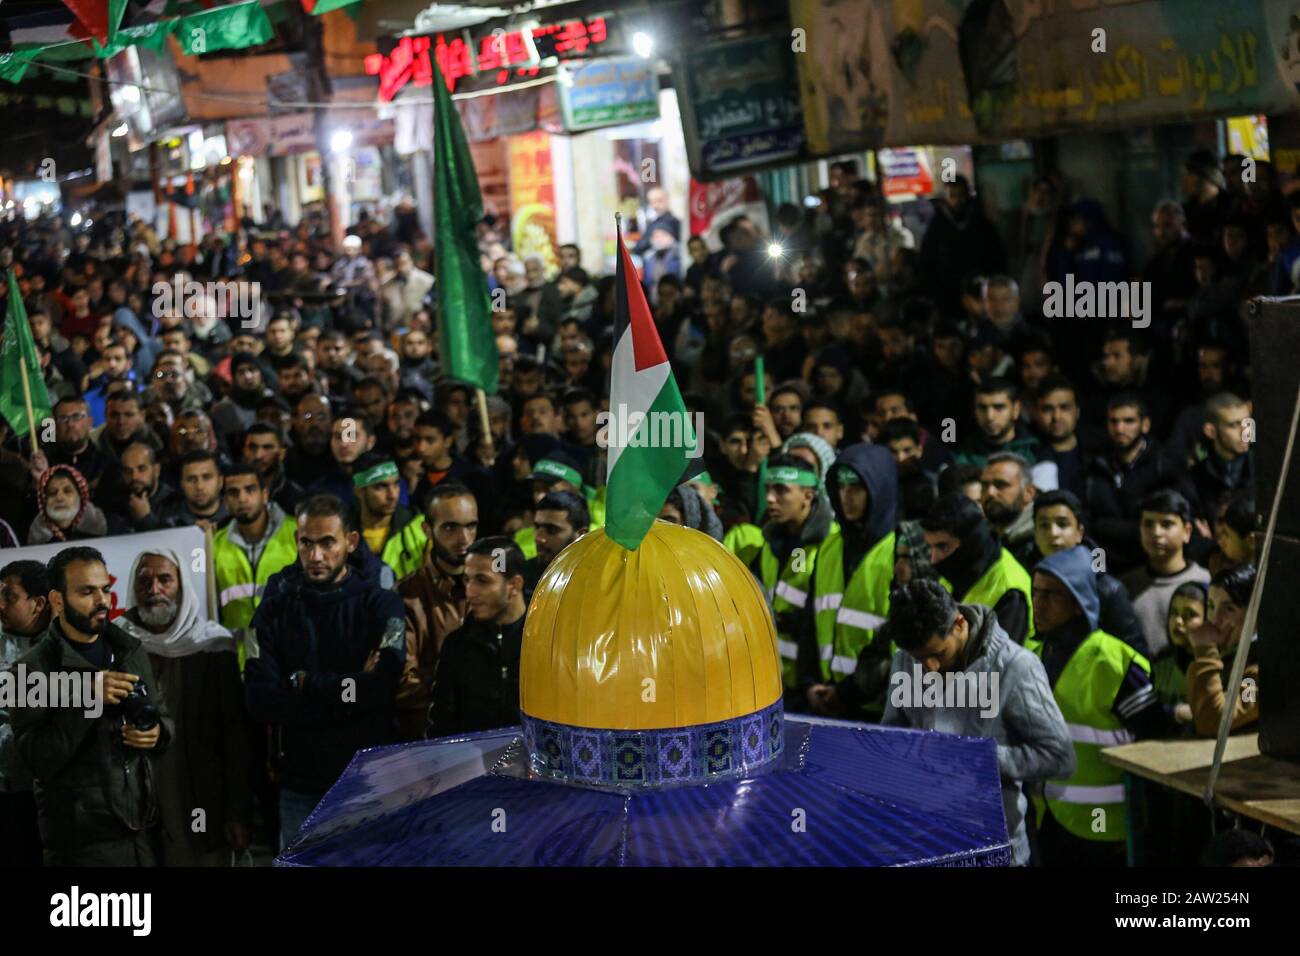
(648, 667)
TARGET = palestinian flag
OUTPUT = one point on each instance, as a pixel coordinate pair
(651, 440)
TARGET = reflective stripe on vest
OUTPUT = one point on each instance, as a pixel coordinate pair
(827, 602)
(1085, 691)
(1089, 796)
(784, 589)
(862, 619)
(1104, 738)
(847, 614)
(237, 591)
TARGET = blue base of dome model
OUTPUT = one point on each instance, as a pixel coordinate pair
(840, 794)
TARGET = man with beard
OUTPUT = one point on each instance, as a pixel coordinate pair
(247, 551)
(434, 596)
(149, 500)
(294, 378)
(476, 683)
(559, 519)
(351, 439)
(196, 677)
(24, 617)
(845, 669)
(395, 533)
(313, 421)
(171, 384)
(1132, 466)
(233, 414)
(201, 502)
(264, 449)
(327, 660)
(95, 791)
(971, 563)
(1056, 414)
(1007, 499)
(399, 422)
(997, 417)
(72, 444)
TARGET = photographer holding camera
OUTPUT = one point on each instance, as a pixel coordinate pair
(95, 792)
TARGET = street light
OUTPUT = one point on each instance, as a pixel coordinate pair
(774, 250)
(341, 141)
(75, 221)
(643, 44)
(121, 130)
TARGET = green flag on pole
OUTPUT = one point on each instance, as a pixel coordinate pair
(24, 401)
(224, 28)
(467, 349)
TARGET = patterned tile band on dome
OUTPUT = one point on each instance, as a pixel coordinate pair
(635, 759)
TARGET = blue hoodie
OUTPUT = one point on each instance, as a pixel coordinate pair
(876, 469)
(1073, 568)
(145, 354)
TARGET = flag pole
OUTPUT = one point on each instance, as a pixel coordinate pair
(27, 399)
(481, 398)
(760, 398)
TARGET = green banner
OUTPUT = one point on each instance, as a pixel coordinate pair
(21, 381)
(227, 28)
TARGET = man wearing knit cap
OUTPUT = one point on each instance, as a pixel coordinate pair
(232, 416)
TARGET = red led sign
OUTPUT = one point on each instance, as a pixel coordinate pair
(507, 53)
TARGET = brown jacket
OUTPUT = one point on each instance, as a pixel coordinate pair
(1206, 697)
(423, 592)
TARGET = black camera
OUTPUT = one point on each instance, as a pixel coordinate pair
(138, 710)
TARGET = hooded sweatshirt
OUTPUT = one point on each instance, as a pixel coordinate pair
(697, 514)
(1136, 703)
(878, 473)
(353, 632)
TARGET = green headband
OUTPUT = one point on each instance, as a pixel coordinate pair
(556, 469)
(375, 474)
(786, 475)
(845, 475)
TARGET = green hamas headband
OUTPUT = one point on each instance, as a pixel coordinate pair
(787, 475)
(555, 469)
(375, 474)
(847, 476)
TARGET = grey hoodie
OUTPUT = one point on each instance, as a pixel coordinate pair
(1024, 719)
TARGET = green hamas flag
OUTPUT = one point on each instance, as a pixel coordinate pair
(18, 353)
(466, 347)
(321, 7)
(226, 28)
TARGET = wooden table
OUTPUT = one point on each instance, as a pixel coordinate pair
(1251, 784)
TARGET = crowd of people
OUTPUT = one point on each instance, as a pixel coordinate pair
(951, 482)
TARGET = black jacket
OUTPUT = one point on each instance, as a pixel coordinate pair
(349, 640)
(476, 686)
(1115, 497)
(96, 797)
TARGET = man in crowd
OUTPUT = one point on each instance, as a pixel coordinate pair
(197, 679)
(559, 519)
(24, 617)
(937, 635)
(328, 658)
(434, 596)
(476, 684)
(393, 532)
(95, 767)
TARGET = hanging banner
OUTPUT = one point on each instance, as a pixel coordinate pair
(742, 107)
(713, 205)
(608, 93)
(970, 71)
(532, 197)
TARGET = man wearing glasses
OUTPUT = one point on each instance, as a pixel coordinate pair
(72, 444)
